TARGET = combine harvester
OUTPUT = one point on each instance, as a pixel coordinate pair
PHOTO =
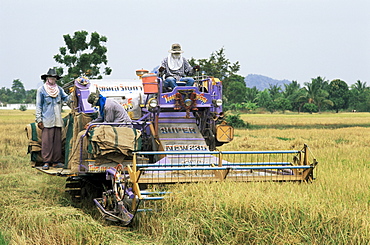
(174, 140)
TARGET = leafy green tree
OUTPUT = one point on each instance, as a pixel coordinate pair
(236, 122)
(275, 91)
(5, 95)
(364, 104)
(235, 92)
(310, 107)
(279, 98)
(361, 102)
(296, 95)
(283, 104)
(298, 99)
(291, 88)
(339, 94)
(245, 106)
(264, 100)
(278, 101)
(18, 92)
(250, 106)
(217, 65)
(359, 96)
(359, 86)
(82, 56)
(31, 96)
(220, 67)
(235, 106)
(317, 93)
(251, 94)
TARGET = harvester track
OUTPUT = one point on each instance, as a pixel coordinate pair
(82, 189)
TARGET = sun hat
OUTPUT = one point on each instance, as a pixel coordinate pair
(51, 73)
(176, 49)
(93, 99)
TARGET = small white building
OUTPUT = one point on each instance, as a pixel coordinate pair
(17, 106)
(28, 106)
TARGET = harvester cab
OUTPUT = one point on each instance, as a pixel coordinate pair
(173, 139)
(187, 117)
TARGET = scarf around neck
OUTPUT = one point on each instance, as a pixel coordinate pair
(51, 89)
(101, 104)
(174, 63)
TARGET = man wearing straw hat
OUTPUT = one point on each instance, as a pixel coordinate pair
(175, 68)
(49, 101)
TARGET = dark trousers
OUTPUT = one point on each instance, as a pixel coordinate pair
(51, 146)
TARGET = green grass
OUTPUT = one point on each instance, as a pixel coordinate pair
(2, 240)
(341, 141)
(285, 139)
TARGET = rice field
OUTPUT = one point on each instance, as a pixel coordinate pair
(334, 209)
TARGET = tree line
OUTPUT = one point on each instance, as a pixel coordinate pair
(315, 96)
(17, 94)
(85, 54)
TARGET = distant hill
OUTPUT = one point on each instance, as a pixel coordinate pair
(263, 82)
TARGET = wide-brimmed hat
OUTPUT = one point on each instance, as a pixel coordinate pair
(51, 73)
(93, 98)
(176, 49)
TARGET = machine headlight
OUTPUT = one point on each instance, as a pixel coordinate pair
(219, 102)
(188, 102)
(153, 103)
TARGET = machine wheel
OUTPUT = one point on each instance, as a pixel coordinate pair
(119, 183)
(115, 202)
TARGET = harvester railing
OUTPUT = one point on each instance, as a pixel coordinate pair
(243, 166)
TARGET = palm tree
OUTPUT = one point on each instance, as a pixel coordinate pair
(359, 86)
(359, 96)
(317, 93)
(298, 99)
(291, 88)
(251, 94)
(274, 91)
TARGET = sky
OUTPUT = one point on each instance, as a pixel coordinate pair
(282, 39)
